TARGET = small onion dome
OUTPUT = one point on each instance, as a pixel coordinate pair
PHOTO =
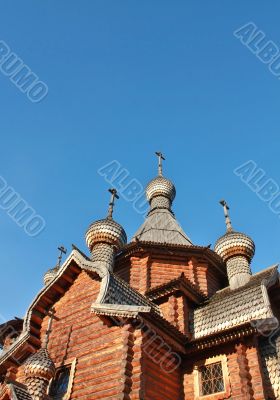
(235, 244)
(160, 186)
(106, 231)
(39, 365)
(50, 274)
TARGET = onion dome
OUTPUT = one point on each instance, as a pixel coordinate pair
(237, 250)
(160, 186)
(39, 365)
(106, 235)
(50, 274)
(106, 231)
(39, 368)
(235, 244)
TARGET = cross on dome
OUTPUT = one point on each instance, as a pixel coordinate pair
(227, 217)
(160, 158)
(114, 195)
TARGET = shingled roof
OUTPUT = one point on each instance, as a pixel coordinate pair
(19, 391)
(120, 299)
(231, 308)
(161, 226)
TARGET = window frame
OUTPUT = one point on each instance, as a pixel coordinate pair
(71, 363)
(197, 381)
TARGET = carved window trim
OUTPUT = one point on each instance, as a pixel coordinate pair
(197, 384)
(67, 363)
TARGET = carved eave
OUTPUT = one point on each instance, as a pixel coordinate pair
(178, 285)
(116, 297)
(174, 250)
(221, 338)
(119, 310)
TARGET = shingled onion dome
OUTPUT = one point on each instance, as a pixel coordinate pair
(237, 250)
(106, 237)
(160, 191)
(50, 274)
(39, 369)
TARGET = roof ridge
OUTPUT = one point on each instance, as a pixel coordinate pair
(274, 266)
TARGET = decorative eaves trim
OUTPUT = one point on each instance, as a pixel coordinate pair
(221, 337)
(118, 310)
(87, 265)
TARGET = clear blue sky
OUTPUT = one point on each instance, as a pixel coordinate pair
(127, 78)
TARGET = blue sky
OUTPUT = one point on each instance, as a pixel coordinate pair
(127, 78)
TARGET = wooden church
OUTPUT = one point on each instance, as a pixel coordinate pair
(158, 318)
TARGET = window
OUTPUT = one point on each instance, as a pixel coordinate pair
(60, 382)
(61, 385)
(211, 379)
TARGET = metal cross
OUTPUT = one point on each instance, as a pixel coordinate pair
(228, 221)
(62, 251)
(49, 328)
(114, 196)
(160, 158)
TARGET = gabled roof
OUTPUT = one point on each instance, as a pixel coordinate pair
(181, 284)
(161, 226)
(228, 308)
(116, 298)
